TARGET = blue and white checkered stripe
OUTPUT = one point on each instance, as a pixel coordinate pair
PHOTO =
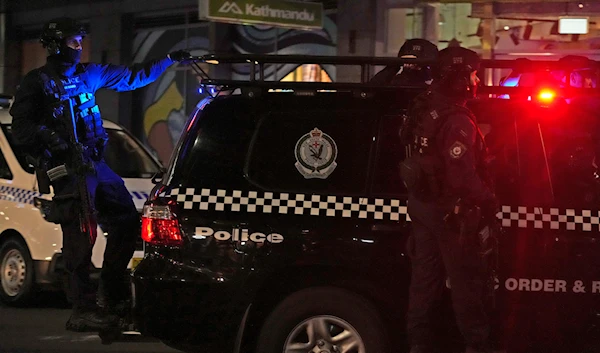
(13, 194)
(139, 195)
(368, 208)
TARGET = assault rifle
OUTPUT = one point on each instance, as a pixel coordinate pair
(79, 167)
(75, 166)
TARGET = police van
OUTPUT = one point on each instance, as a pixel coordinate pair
(30, 247)
(281, 222)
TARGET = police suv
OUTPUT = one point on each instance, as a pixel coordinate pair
(30, 247)
(281, 223)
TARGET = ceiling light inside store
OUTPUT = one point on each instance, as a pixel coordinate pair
(580, 5)
(506, 28)
(571, 25)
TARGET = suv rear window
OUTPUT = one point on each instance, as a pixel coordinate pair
(213, 146)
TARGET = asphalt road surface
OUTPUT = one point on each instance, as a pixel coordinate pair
(41, 329)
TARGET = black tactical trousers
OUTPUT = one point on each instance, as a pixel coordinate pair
(436, 252)
(118, 217)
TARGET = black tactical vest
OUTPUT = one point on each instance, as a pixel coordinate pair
(426, 118)
(90, 131)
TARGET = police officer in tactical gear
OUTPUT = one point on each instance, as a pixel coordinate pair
(411, 74)
(37, 128)
(446, 180)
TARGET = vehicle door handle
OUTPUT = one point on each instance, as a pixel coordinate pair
(387, 227)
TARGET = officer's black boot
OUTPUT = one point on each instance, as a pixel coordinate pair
(117, 304)
(91, 319)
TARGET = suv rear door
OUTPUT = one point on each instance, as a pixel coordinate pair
(549, 260)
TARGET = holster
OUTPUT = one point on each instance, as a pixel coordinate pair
(62, 209)
(470, 225)
(465, 220)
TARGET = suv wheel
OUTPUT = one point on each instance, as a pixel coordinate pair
(324, 320)
(16, 273)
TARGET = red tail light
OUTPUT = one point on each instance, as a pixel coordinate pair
(546, 96)
(160, 226)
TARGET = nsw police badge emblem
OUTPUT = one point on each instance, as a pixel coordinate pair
(315, 155)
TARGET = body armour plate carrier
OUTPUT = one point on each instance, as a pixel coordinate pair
(87, 113)
(423, 170)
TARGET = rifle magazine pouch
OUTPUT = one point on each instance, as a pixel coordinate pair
(57, 172)
(410, 172)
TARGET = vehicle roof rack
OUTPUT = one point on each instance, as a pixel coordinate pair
(258, 80)
(257, 62)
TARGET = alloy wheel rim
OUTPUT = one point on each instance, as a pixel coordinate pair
(324, 334)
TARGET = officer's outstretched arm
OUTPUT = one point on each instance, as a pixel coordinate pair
(458, 151)
(27, 110)
(123, 78)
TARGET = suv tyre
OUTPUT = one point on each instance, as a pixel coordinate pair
(16, 273)
(323, 320)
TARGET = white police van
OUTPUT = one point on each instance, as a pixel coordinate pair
(30, 246)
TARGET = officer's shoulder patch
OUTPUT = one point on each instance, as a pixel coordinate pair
(457, 150)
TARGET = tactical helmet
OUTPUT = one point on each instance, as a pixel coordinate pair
(458, 59)
(418, 48)
(57, 30)
(456, 64)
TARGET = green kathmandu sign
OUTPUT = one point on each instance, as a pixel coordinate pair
(294, 14)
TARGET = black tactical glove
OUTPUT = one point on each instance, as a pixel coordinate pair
(53, 141)
(181, 56)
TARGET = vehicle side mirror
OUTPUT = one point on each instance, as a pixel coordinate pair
(158, 175)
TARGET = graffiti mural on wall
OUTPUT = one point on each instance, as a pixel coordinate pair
(282, 41)
(164, 105)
